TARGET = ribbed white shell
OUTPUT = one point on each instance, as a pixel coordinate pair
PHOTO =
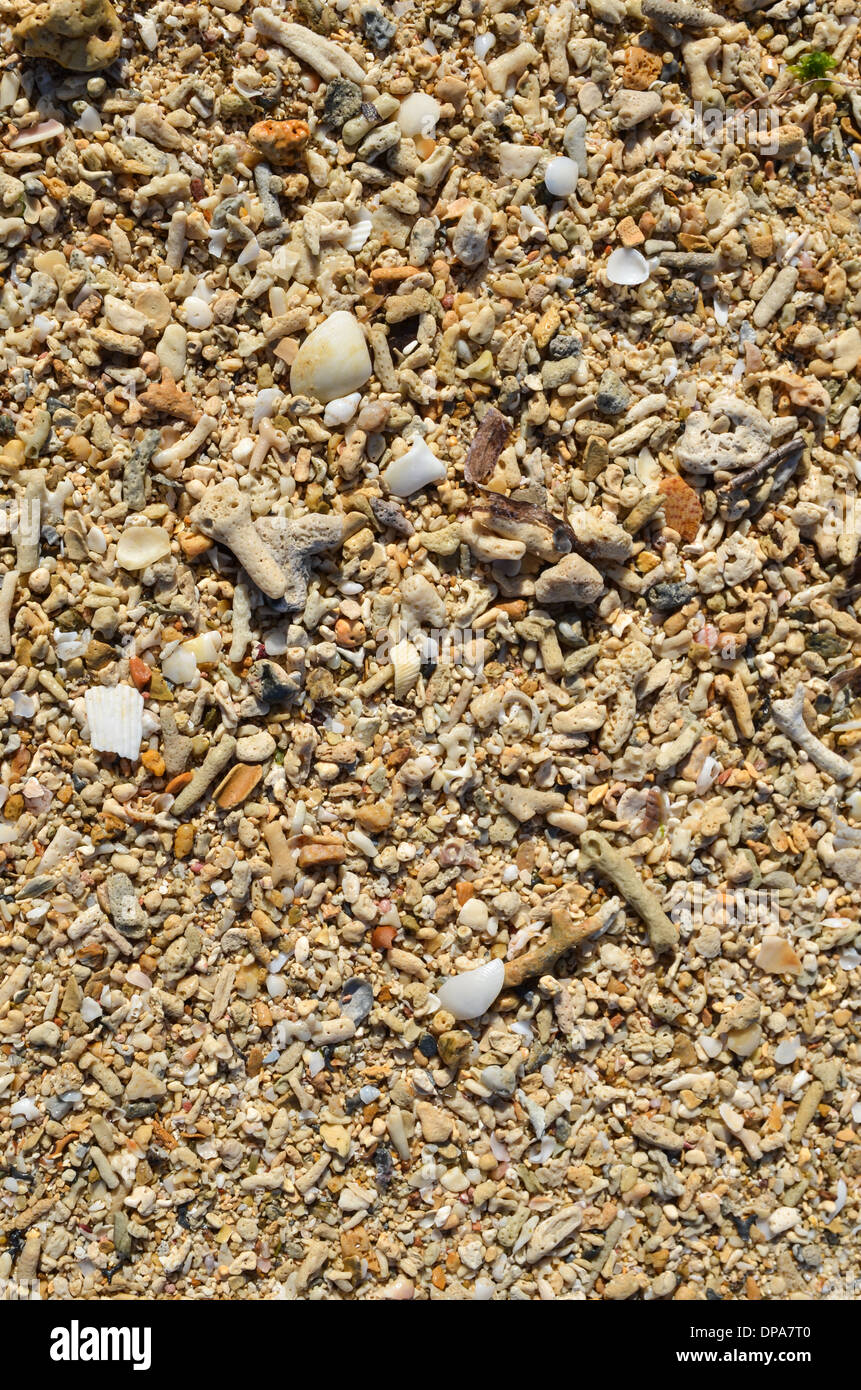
(115, 719)
(407, 663)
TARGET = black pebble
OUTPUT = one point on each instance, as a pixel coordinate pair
(668, 597)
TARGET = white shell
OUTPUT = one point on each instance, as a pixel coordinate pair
(333, 360)
(359, 233)
(627, 267)
(413, 470)
(469, 995)
(560, 177)
(407, 664)
(115, 719)
(341, 409)
(140, 546)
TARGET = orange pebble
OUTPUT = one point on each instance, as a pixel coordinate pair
(176, 784)
(382, 938)
(139, 671)
(281, 142)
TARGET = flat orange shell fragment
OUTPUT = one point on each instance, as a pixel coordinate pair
(237, 785)
(683, 510)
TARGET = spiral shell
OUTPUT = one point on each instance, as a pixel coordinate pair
(115, 719)
(407, 664)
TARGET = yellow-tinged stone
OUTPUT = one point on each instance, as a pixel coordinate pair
(336, 1138)
(81, 35)
(183, 841)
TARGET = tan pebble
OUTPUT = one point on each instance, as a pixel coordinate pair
(625, 1285)
(321, 852)
(629, 233)
(777, 956)
(436, 1125)
(377, 815)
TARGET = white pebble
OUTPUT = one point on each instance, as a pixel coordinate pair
(474, 914)
(180, 666)
(560, 177)
(413, 470)
(418, 114)
(786, 1051)
(197, 313)
(140, 546)
(333, 360)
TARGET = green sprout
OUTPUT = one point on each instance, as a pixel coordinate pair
(813, 66)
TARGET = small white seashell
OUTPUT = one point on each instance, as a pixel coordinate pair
(469, 995)
(333, 360)
(140, 546)
(560, 177)
(413, 470)
(341, 409)
(627, 267)
(148, 31)
(26, 1108)
(358, 234)
(115, 718)
(249, 253)
(266, 405)
(23, 706)
(710, 771)
(36, 134)
(407, 664)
